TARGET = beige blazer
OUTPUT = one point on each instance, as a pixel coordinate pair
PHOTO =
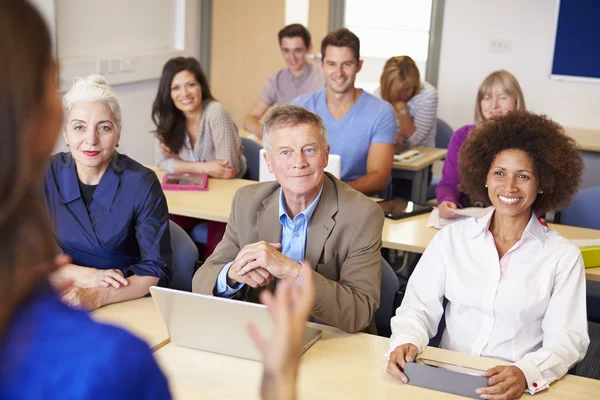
(344, 243)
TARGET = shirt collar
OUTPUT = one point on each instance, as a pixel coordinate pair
(308, 213)
(303, 76)
(105, 192)
(534, 227)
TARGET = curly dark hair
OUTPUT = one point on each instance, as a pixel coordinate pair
(557, 162)
(169, 121)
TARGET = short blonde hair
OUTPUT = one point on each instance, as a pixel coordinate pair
(93, 88)
(507, 83)
(399, 68)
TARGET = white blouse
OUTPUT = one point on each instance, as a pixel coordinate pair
(528, 308)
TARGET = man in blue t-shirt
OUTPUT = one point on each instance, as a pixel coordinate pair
(361, 127)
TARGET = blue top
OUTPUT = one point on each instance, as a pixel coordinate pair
(370, 120)
(51, 351)
(125, 226)
(294, 233)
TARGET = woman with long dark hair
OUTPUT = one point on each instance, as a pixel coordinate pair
(194, 132)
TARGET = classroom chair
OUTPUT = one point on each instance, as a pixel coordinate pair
(387, 299)
(583, 212)
(185, 257)
(442, 139)
(252, 154)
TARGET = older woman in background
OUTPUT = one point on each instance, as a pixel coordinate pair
(109, 212)
(415, 102)
(515, 288)
(194, 132)
(498, 94)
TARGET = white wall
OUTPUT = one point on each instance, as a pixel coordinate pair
(136, 98)
(465, 60)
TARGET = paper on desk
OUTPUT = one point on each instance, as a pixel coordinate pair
(581, 243)
(465, 213)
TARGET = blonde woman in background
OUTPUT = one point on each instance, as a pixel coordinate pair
(498, 94)
(415, 102)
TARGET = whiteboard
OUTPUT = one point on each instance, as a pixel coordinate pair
(126, 41)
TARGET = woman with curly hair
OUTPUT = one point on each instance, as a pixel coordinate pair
(498, 94)
(515, 288)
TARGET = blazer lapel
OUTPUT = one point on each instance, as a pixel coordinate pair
(269, 227)
(322, 222)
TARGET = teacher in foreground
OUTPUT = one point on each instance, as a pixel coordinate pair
(515, 288)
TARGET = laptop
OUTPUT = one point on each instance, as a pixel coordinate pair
(217, 325)
(334, 167)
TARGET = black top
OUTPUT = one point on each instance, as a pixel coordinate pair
(87, 191)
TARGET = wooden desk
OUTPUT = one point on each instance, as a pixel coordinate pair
(139, 317)
(213, 204)
(431, 155)
(338, 366)
(587, 139)
(412, 234)
(418, 172)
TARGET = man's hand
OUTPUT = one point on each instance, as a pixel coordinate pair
(398, 359)
(256, 278)
(506, 382)
(268, 257)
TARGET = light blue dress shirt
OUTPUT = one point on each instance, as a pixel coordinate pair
(294, 233)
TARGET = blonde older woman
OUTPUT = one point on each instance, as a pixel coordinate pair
(498, 94)
(109, 212)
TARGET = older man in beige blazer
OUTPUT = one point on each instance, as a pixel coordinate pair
(306, 215)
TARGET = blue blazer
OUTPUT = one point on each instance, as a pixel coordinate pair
(126, 224)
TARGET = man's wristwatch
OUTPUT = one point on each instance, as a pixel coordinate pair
(403, 112)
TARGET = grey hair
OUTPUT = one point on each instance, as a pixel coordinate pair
(287, 116)
(93, 88)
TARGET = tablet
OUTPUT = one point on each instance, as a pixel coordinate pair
(400, 208)
(443, 377)
(185, 182)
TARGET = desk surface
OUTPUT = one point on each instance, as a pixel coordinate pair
(339, 365)
(587, 139)
(412, 234)
(213, 204)
(139, 317)
(431, 155)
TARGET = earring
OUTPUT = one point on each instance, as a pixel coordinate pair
(486, 185)
(541, 192)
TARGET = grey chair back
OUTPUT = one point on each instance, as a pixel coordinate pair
(252, 154)
(185, 257)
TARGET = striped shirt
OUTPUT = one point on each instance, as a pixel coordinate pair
(219, 140)
(423, 110)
